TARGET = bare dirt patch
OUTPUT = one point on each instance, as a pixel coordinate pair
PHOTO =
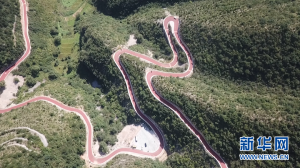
(126, 136)
(160, 21)
(10, 90)
(150, 53)
(36, 86)
(133, 136)
(146, 140)
(167, 13)
(131, 41)
(161, 60)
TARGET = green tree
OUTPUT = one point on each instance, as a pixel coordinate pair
(56, 52)
(52, 75)
(16, 80)
(2, 85)
(77, 18)
(71, 67)
(54, 32)
(35, 70)
(30, 81)
(103, 147)
(56, 63)
(57, 40)
(139, 38)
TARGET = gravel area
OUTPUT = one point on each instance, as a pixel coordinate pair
(133, 135)
(146, 140)
(131, 41)
(11, 88)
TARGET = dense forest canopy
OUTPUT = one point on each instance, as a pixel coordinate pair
(245, 40)
(224, 111)
(248, 40)
(123, 8)
(256, 41)
(245, 81)
(11, 45)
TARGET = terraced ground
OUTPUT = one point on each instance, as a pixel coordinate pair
(58, 126)
(69, 7)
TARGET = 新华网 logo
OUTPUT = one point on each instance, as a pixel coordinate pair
(281, 143)
(264, 143)
(246, 143)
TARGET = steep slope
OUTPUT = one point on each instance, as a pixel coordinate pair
(11, 39)
(225, 111)
(123, 8)
(245, 40)
(242, 41)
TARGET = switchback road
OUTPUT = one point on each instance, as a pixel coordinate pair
(174, 24)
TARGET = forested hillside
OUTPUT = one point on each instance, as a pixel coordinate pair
(99, 35)
(247, 40)
(245, 82)
(64, 131)
(123, 8)
(11, 39)
(96, 49)
(225, 111)
(252, 46)
(54, 59)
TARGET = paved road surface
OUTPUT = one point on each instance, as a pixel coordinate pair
(174, 23)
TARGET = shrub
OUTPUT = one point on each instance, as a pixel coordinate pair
(139, 38)
(16, 80)
(35, 70)
(52, 75)
(30, 81)
(77, 17)
(54, 31)
(56, 52)
(57, 40)
(2, 85)
(56, 63)
(103, 147)
(71, 67)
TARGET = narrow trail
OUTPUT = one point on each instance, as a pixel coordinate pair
(33, 132)
(12, 143)
(19, 145)
(13, 139)
(174, 23)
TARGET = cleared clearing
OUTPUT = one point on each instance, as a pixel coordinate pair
(133, 135)
(10, 90)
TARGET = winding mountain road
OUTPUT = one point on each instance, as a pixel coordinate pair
(26, 39)
(174, 24)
